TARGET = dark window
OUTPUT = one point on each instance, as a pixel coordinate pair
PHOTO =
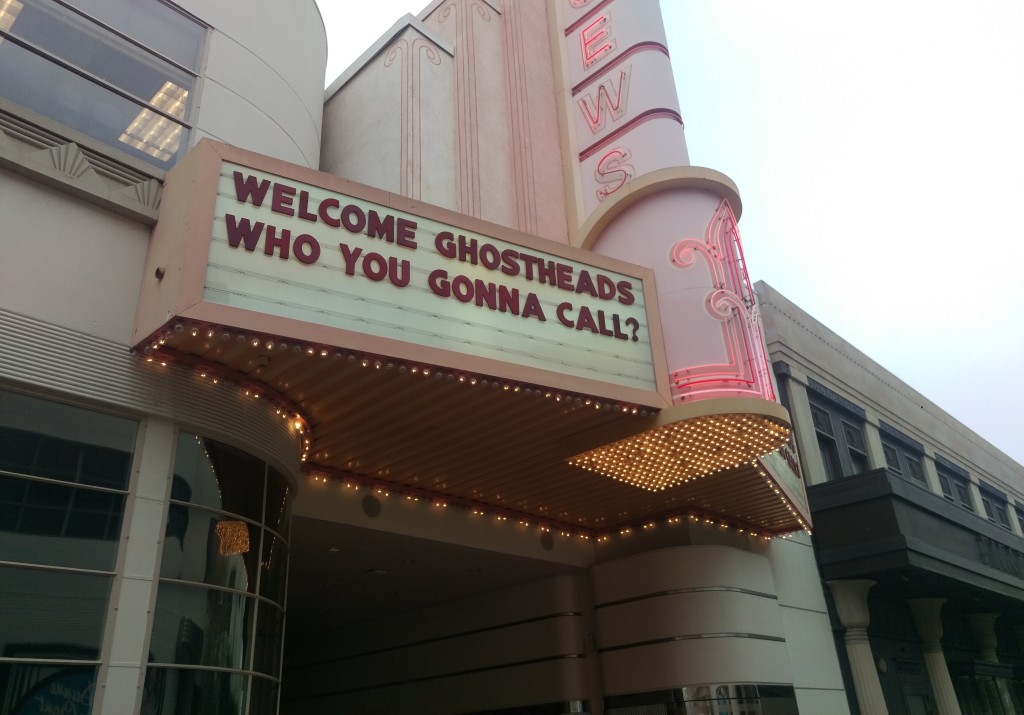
(63, 475)
(840, 441)
(903, 461)
(994, 503)
(946, 484)
(855, 444)
(915, 469)
(121, 71)
(827, 445)
(63, 484)
(222, 580)
(955, 487)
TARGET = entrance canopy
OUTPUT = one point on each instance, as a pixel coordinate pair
(421, 352)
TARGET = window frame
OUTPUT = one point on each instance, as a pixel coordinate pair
(105, 32)
(262, 603)
(904, 460)
(995, 506)
(956, 488)
(841, 457)
(56, 655)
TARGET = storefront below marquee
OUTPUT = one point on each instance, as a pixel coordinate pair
(310, 519)
(390, 601)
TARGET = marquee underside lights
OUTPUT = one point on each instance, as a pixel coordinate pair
(676, 453)
(355, 349)
(445, 436)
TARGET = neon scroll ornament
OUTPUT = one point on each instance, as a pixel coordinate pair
(744, 370)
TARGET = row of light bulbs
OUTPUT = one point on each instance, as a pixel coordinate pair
(609, 460)
(156, 350)
(355, 484)
(690, 449)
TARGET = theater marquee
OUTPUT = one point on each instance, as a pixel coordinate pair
(263, 245)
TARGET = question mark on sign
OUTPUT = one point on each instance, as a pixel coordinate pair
(636, 326)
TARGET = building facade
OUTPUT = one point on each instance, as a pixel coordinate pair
(443, 391)
(917, 528)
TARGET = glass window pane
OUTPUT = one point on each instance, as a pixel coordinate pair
(105, 467)
(201, 626)
(39, 688)
(830, 458)
(963, 495)
(914, 466)
(214, 544)
(59, 525)
(17, 450)
(892, 460)
(57, 459)
(263, 697)
(218, 476)
(94, 515)
(173, 691)
(858, 462)
(51, 614)
(42, 86)
(822, 421)
(987, 506)
(207, 547)
(278, 495)
(944, 484)
(58, 441)
(275, 568)
(269, 638)
(65, 34)
(154, 24)
(854, 437)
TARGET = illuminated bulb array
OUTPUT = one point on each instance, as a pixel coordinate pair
(183, 330)
(707, 520)
(204, 370)
(654, 460)
(685, 450)
(782, 497)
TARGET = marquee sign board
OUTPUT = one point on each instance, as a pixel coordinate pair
(264, 245)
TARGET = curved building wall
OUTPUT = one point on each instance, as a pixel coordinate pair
(56, 365)
(262, 87)
(689, 614)
(504, 649)
(78, 204)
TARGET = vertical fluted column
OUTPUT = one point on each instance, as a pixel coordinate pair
(851, 600)
(983, 626)
(929, 627)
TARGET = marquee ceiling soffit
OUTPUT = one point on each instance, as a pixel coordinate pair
(438, 432)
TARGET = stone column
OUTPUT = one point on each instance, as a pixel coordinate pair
(929, 628)
(135, 586)
(851, 600)
(803, 428)
(983, 626)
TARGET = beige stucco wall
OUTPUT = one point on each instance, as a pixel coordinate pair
(68, 262)
(813, 350)
(464, 115)
(263, 81)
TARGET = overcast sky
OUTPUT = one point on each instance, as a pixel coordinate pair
(879, 150)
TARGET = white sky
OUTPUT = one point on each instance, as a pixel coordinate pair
(879, 150)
